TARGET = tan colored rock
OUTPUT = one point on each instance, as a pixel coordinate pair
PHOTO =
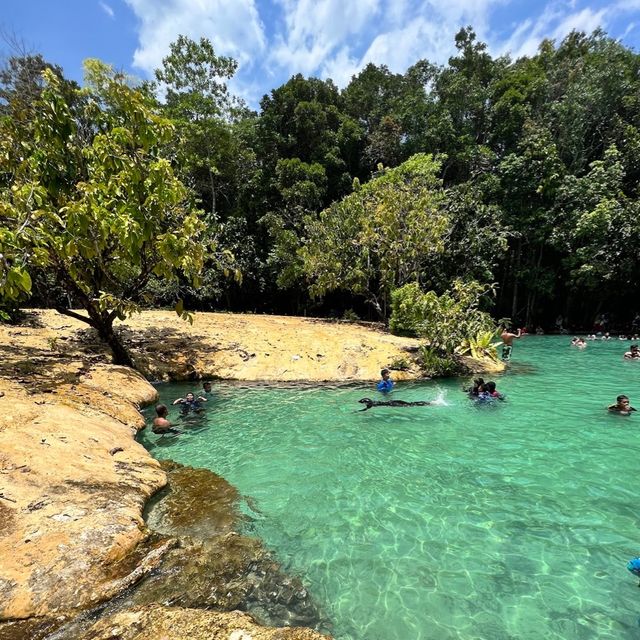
(239, 346)
(71, 511)
(155, 622)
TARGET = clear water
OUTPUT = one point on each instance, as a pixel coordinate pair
(512, 521)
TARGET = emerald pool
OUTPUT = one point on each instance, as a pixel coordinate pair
(455, 521)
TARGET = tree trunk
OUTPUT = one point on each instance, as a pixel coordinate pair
(516, 275)
(101, 322)
(120, 354)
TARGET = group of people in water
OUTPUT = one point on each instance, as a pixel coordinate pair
(581, 343)
(190, 403)
(479, 392)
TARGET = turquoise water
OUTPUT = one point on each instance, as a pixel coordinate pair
(512, 521)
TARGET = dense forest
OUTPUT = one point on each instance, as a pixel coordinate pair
(520, 176)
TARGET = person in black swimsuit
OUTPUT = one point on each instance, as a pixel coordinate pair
(391, 403)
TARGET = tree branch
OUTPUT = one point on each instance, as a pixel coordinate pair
(77, 316)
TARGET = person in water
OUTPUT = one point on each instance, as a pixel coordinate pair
(634, 566)
(161, 424)
(206, 388)
(633, 353)
(391, 403)
(386, 384)
(622, 406)
(477, 388)
(190, 402)
(507, 342)
(490, 388)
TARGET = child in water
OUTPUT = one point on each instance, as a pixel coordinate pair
(478, 387)
(386, 384)
(492, 391)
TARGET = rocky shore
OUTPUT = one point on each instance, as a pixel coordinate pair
(76, 553)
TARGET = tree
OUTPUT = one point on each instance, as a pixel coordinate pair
(102, 213)
(198, 100)
(598, 229)
(379, 237)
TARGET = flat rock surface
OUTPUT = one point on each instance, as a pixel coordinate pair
(73, 483)
(239, 346)
(155, 622)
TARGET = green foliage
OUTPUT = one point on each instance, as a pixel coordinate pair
(379, 237)
(450, 322)
(350, 316)
(437, 363)
(535, 182)
(101, 212)
(400, 364)
(482, 345)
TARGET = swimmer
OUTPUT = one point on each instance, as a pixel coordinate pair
(507, 342)
(189, 402)
(160, 423)
(622, 406)
(386, 384)
(633, 353)
(206, 389)
(490, 388)
(581, 344)
(478, 384)
(574, 341)
(634, 566)
(392, 403)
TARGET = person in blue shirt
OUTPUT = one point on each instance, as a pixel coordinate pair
(386, 384)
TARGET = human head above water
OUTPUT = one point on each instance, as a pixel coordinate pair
(206, 386)
(190, 397)
(622, 399)
(384, 373)
(161, 410)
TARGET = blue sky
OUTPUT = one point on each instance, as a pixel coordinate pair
(273, 39)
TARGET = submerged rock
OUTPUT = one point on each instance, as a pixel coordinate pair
(203, 563)
(214, 566)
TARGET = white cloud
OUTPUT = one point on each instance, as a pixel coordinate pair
(556, 21)
(337, 38)
(315, 30)
(107, 9)
(234, 28)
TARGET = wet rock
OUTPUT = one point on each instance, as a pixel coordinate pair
(157, 622)
(195, 502)
(214, 566)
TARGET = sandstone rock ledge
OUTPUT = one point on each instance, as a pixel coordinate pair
(73, 484)
(168, 623)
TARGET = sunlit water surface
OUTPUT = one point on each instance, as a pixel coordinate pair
(511, 521)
